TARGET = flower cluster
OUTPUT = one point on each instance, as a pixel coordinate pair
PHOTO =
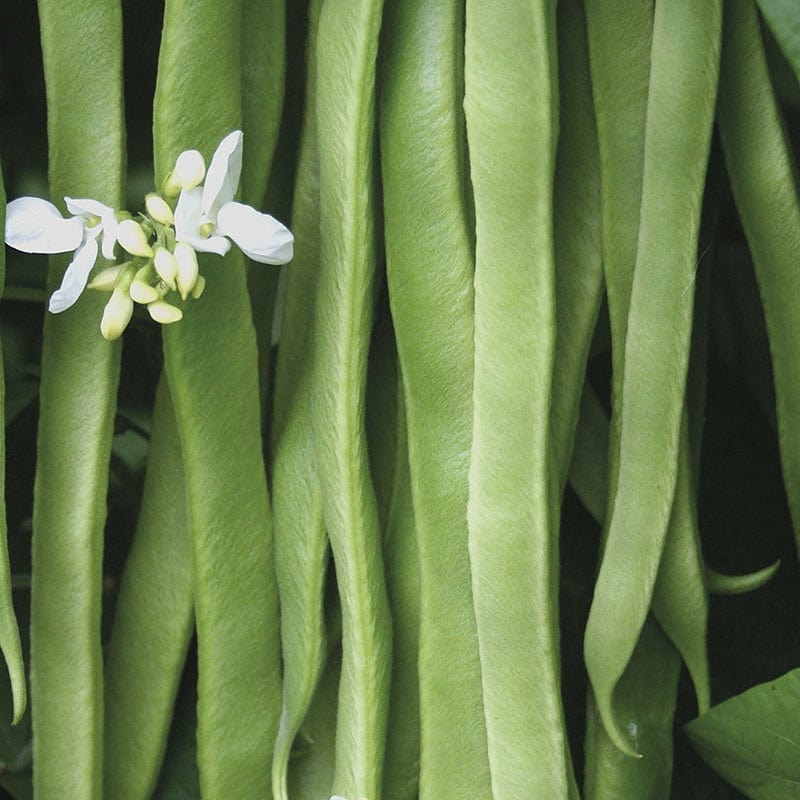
(188, 216)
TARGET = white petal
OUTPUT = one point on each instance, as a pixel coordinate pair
(109, 236)
(34, 225)
(259, 236)
(86, 207)
(187, 214)
(211, 244)
(222, 178)
(75, 277)
(187, 225)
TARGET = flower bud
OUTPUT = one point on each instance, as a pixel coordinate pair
(166, 266)
(158, 208)
(164, 312)
(199, 287)
(133, 239)
(187, 268)
(141, 290)
(106, 279)
(189, 171)
(143, 293)
(116, 315)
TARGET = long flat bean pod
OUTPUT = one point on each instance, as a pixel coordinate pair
(430, 266)
(682, 97)
(82, 51)
(9, 630)
(346, 51)
(220, 432)
(301, 542)
(620, 39)
(153, 621)
(511, 115)
(761, 169)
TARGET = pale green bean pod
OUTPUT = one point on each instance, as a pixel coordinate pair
(511, 115)
(347, 47)
(301, 541)
(236, 603)
(430, 265)
(82, 52)
(682, 95)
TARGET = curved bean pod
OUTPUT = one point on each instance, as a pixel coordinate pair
(761, 169)
(9, 630)
(645, 704)
(346, 51)
(220, 432)
(153, 621)
(82, 51)
(430, 266)
(513, 543)
(587, 476)
(682, 96)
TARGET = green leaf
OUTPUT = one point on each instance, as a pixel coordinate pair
(784, 22)
(753, 739)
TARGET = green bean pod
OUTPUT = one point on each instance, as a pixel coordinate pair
(762, 174)
(646, 694)
(682, 96)
(620, 40)
(577, 214)
(430, 265)
(645, 705)
(345, 72)
(153, 621)
(82, 52)
(220, 432)
(511, 115)
(9, 630)
(587, 476)
(301, 541)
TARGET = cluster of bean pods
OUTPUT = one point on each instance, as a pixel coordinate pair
(357, 463)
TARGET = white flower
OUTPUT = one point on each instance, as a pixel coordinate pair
(205, 215)
(34, 225)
